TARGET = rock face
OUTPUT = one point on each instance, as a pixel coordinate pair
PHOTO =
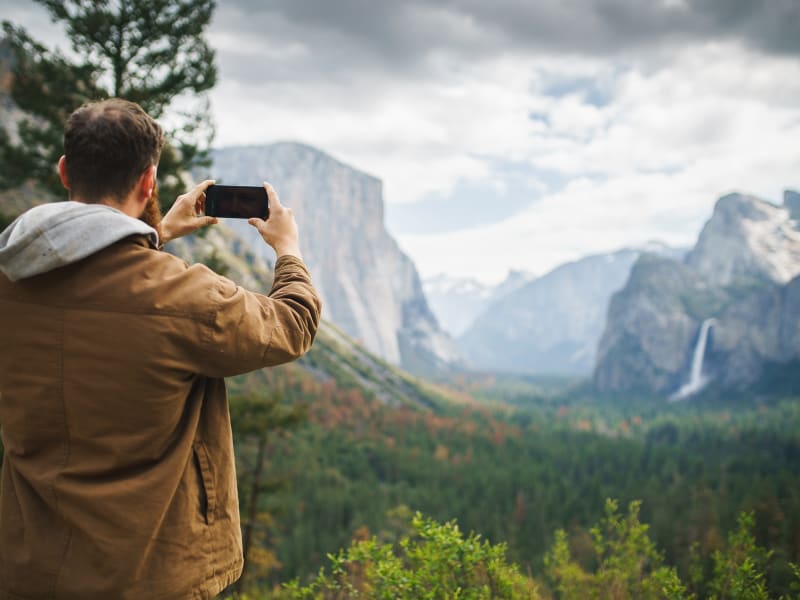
(551, 324)
(646, 346)
(747, 240)
(370, 289)
(744, 273)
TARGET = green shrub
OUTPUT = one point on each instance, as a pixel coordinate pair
(628, 565)
(739, 569)
(434, 562)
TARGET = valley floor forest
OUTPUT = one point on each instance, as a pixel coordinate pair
(582, 492)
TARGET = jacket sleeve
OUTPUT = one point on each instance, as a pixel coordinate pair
(250, 331)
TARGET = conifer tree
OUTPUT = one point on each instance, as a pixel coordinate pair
(152, 52)
(255, 420)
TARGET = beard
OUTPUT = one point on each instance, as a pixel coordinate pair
(152, 212)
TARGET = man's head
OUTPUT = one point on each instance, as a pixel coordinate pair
(111, 149)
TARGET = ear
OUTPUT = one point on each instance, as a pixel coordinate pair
(141, 193)
(147, 183)
(62, 171)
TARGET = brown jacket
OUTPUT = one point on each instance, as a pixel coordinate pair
(118, 476)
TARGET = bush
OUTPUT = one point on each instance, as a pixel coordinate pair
(435, 561)
(739, 569)
(628, 565)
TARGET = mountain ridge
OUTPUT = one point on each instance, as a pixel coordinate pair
(551, 324)
(743, 272)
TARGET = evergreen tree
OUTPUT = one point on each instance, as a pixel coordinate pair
(152, 52)
(255, 419)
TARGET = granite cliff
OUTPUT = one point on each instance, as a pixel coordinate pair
(370, 288)
(742, 278)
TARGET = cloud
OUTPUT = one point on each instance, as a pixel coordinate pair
(647, 164)
(626, 150)
(515, 134)
(407, 37)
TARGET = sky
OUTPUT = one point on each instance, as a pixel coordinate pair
(519, 134)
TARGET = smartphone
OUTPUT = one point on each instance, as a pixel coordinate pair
(236, 202)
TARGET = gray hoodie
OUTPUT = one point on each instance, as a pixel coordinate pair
(53, 235)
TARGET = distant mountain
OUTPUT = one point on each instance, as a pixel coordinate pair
(742, 278)
(550, 324)
(457, 301)
(370, 288)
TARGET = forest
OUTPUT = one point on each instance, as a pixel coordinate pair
(515, 461)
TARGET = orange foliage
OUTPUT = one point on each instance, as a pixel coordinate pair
(361, 534)
(442, 453)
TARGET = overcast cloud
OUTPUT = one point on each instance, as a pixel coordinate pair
(520, 134)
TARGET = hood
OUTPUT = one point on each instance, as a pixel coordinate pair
(57, 234)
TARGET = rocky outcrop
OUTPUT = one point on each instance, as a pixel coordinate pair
(744, 273)
(747, 240)
(370, 288)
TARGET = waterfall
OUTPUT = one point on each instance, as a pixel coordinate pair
(696, 379)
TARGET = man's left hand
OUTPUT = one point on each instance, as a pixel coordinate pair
(185, 216)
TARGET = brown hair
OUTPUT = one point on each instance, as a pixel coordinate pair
(108, 145)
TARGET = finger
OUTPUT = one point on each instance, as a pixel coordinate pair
(272, 197)
(199, 189)
(257, 223)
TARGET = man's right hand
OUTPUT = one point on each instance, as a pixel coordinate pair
(279, 230)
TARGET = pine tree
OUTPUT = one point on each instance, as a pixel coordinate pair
(152, 52)
(255, 420)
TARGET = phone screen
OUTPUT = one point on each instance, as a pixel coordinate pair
(236, 202)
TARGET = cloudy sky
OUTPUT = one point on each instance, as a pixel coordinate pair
(519, 134)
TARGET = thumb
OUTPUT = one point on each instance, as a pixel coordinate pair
(272, 196)
(210, 221)
(257, 223)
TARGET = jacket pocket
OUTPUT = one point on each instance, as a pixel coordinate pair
(206, 481)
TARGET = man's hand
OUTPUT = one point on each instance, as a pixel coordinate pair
(184, 217)
(280, 229)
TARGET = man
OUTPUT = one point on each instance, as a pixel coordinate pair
(118, 476)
